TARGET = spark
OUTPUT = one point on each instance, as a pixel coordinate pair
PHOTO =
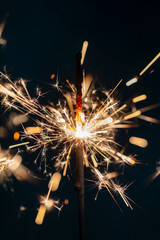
(18, 145)
(66, 201)
(128, 160)
(139, 98)
(141, 142)
(111, 93)
(52, 76)
(154, 59)
(94, 161)
(133, 115)
(40, 215)
(132, 81)
(16, 136)
(33, 130)
(67, 160)
(85, 158)
(70, 85)
(54, 182)
(149, 119)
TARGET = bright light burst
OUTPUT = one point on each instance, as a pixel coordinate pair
(58, 129)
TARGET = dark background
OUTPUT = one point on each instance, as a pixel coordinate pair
(43, 37)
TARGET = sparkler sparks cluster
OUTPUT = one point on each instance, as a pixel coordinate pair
(61, 129)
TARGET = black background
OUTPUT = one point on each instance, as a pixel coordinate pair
(43, 36)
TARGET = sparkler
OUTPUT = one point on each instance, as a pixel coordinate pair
(89, 131)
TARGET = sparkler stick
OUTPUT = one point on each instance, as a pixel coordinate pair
(79, 182)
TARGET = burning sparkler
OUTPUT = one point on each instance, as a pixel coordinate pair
(89, 129)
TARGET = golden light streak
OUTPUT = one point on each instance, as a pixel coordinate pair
(70, 85)
(110, 94)
(94, 161)
(50, 185)
(84, 49)
(124, 125)
(112, 175)
(24, 86)
(70, 104)
(60, 90)
(118, 110)
(149, 119)
(126, 159)
(139, 98)
(67, 160)
(40, 215)
(154, 59)
(19, 144)
(54, 182)
(132, 81)
(85, 158)
(33, 130)
(140, 142)
(132, 115)
(148, 108)
(6, 91)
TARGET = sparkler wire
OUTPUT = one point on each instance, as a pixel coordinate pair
(79, 182)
